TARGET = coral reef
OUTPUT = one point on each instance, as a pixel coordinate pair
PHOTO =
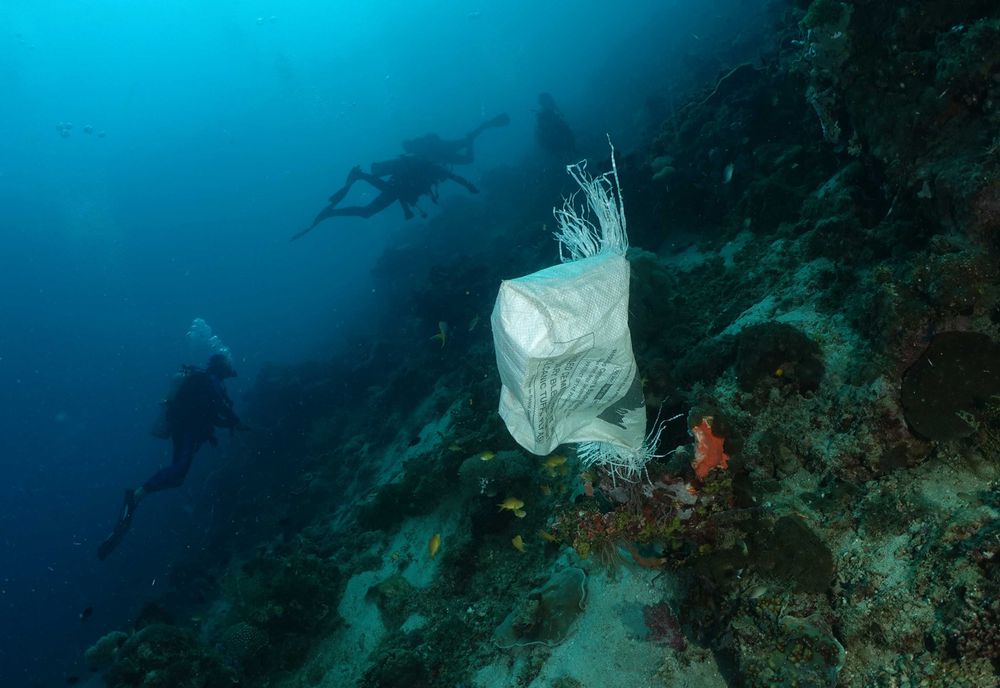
(161, 656)
(547, 613)
(950, 385)
(279, 605)
(101, 654)
(815, 306)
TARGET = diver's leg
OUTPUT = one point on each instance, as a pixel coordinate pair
(168, 477)
(339, 194)
(327, 212)
(501, 120)
(173, 475)
(381, 202)
(379, 184)
(352, 177)
(468, 142)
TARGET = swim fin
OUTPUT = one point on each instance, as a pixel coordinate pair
(501, 120)
(328, 211)
(121, 528)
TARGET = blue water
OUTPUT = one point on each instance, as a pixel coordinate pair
(218, 130)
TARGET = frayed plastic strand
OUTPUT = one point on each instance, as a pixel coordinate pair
(578, 236)
(622, 463)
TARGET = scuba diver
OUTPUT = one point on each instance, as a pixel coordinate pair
(451, 151)
(551, 130)
(199, 404)
(409, 178)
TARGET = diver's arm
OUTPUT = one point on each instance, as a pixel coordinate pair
(461, 180)
(225, 417)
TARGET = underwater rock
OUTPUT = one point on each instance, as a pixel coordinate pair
(976, 630)
(291, 597)
(153, 613)
(778, 352)
(503, 473)
(425, 482)
(167, 656)
(826, 23)
(241, 643)
(812, 655)
(662, 167)
(547, 614)
(949, 384)
(394, 598)
(397, 667)
(101, 654)
(663, 627)
(797, 556)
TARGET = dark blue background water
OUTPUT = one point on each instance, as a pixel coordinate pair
(227, 124)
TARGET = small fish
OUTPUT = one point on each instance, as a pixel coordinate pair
(442, 334)
(520, 513)
(85, 614)
(518, 543)
(511, 504)
(727, 173)
(434, 545)
(547, 536)
(455, 447)
(487, 456)
(553, 463)
(545, 489)
(473, 323)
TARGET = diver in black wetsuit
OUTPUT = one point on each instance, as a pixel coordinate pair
(199, 405)
(451, 151)
(409, 178)
(551, 130)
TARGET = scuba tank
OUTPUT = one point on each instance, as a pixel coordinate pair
(161, 426)
(201, 341)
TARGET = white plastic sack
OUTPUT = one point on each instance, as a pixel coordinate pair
(563, 345)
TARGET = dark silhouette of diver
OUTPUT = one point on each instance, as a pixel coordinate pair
(198, 405)
(451, 151)
(409, 178)
(552, 133)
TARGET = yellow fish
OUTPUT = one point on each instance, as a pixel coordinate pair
(547, 536)
(442, 332)
(434, 545)
(520, 513)
(487, 456)
(518, 543)
(511, 504)
(554, 462)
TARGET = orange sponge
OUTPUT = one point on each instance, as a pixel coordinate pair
(708, 449)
